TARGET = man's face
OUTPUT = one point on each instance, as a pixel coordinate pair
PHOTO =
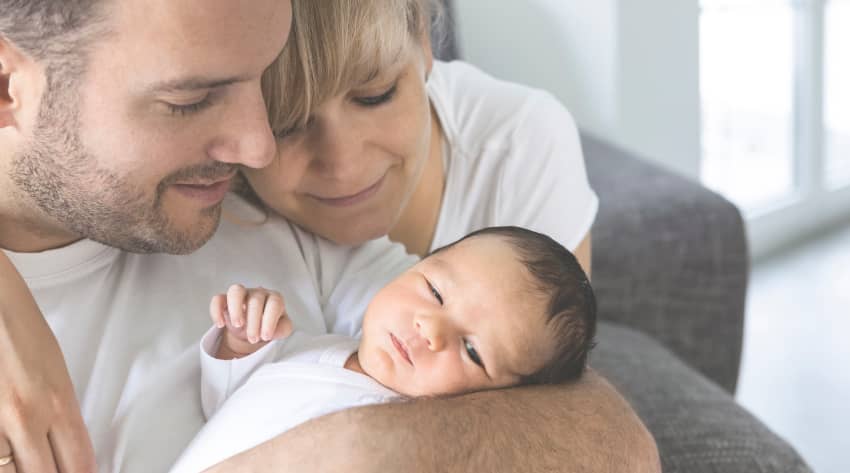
(139, 151)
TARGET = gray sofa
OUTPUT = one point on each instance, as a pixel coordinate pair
(670, 268)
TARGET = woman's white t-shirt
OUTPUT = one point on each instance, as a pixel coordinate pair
(512, 157)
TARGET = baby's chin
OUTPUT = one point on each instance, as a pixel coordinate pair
(390, 382)
(407, 391)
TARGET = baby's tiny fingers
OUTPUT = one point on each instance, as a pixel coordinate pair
(236, 304)
(273, 312)
(218, 308)
(255, 305)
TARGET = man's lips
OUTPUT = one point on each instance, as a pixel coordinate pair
(207, 182)
(401, 349)
(207, 192)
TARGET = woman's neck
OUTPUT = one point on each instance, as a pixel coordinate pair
(418, 222)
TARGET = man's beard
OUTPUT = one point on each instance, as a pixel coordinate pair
(62, 178)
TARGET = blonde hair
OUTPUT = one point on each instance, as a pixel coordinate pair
(338, 44)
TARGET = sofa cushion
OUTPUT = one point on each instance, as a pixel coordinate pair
(698, 427)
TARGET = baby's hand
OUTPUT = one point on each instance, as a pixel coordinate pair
(253, 317)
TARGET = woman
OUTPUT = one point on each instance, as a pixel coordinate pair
(389, 141)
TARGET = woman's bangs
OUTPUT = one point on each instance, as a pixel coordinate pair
(374, 47)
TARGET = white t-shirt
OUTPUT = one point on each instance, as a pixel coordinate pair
(129, 324)
(512, 157)
(285, 383)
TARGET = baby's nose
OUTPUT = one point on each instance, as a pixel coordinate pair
(432, 331)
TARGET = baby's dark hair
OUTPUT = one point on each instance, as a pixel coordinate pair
(571, 305)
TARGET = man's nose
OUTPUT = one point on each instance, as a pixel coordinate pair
(247, 138)
(433, 330)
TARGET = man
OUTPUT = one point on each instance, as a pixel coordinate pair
(122, 123)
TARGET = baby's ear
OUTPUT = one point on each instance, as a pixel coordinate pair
(21, 85)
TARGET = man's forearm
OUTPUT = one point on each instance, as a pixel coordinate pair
(585, 426)
(15, 297)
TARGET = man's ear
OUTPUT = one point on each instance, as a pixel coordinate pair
(17, 80)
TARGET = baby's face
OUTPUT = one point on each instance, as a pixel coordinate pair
(464, 319)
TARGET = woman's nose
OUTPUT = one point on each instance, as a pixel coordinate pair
(432, 330)
(340, 148)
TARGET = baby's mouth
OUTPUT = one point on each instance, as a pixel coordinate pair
(402, 350)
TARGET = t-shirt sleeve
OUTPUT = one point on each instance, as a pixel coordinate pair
(543, 184)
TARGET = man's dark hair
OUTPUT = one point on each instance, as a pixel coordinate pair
(57, 32)
(571, 304)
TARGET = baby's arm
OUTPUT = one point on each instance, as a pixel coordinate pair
(252, 318)
(240, 316)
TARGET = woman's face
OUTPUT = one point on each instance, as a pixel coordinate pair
(348, 174)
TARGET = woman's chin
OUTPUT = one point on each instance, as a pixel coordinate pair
(352, 235)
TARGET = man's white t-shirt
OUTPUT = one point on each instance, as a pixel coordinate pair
(129, 325)
(512, 157)
(287, 382)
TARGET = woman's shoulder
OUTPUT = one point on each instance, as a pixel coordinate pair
(479, 111)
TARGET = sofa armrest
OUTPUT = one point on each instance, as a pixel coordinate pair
(669, 259)
(697, 426)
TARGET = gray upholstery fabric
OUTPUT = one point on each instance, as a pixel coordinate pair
(698, 427)
(670, 259)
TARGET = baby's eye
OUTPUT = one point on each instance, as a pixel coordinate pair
(434, 291)
(473, 354)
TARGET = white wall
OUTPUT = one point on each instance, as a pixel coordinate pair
(628, 70)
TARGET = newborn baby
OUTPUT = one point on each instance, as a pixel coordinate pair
(503, 306)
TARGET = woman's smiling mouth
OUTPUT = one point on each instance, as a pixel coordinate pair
(353, 199)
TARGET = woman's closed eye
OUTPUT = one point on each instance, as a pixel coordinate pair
(376, 100)
(286, 132)
(294, 129)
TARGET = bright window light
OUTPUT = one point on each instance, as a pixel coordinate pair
(746, 75)
(837, 94)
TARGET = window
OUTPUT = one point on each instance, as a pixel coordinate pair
(746, 84)
(837, 94)
(776, 114)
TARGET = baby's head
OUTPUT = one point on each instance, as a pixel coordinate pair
(503, 306)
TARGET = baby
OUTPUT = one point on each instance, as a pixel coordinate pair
(503, 306)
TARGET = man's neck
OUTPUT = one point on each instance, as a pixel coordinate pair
(24, 228)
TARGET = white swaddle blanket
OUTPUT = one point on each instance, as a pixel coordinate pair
(287, 382)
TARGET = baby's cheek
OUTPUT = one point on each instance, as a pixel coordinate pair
(380, 367)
